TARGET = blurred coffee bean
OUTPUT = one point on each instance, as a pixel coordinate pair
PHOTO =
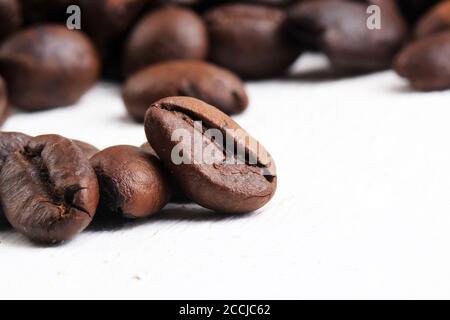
(339, 28)
(414, 9)
(168, 33)
(212, 173)
(132, 183)
(49, 190)
(191, 78)
(250, 40)
(4, 105)
(10, 17)
(47, 66)
(107, 20)
(425, 63)
(434, 21)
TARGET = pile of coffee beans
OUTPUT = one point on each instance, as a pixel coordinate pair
(51, 187)
(186, 60)
(53, 51)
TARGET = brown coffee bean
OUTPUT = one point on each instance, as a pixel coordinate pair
(434, 21)
(49, 190)
(425, 63)
(211, 173)
(108, 20)
(48, 66)
(10, 17)
(88, 149)
(339, 28)
(196, 79)
(132, 183)
(168, 33)
(4, 106)
(250, 40)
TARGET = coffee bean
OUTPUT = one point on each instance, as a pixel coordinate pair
(88, 149)
(339, 28)
(132, 183)
(221, 180)
(435, 21)
(250, 40)
(108, 20)
(10, 17)
(47, 66)
(425, 63)
(4, 106)
(196, 79)
(168, 33)
(49, 190)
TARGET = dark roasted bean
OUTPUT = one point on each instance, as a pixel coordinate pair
(168, 33)
(197, 79)
(47, 66)
(220, 179)
(132, 183)
(339, 28)
(250, 40)
(425, 63)
(48, 189)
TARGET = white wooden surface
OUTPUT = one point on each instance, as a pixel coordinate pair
(362, 209)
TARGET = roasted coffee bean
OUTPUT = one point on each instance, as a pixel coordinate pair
(250, 40)
(49, 190)
(197, 79)
(339, 28)
(108, 20)
(4, 106)
(425, 63)
(10, 17)
(47, 66)
(234, 177)
(88, 149)
(168, 33)
(435, 21)
(132, 183)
